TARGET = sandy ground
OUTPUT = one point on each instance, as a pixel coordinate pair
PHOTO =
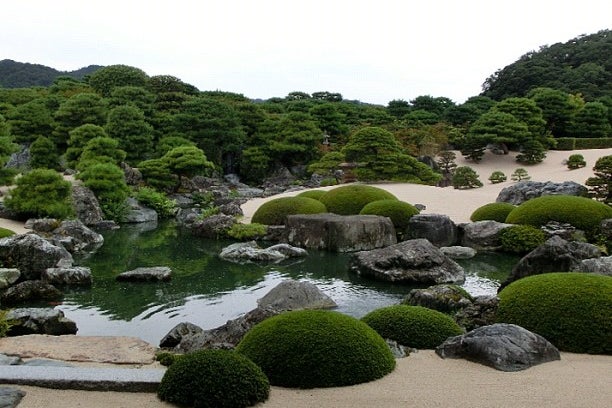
(423, 379)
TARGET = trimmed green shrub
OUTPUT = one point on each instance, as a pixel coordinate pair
(6, 232)
(571, 310)
(565, 143)
(521, 239)
(214, 379)
(350, 200)
(107, 182)
(317, 348)
(329, 181)
(575, 161)
(247, 232)
(398, 211)
(166, 358)
(164, 206)
(520, 174)
(593, 143)
(465, 177)
(581, 212)
(497, 177)
(413, 326)
(5, 325)
(492, 211)
(314, 194)
(275, 211)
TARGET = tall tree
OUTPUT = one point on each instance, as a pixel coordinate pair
(126, 123)
(30, 121)
(557, 110)
(108, 78)
(78, 110)
(592, 121)
(296, 140)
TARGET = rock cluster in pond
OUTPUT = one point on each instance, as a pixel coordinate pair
(72, 235)
(73, 275)
(39, 321)
(242, 252)
(438, 229)
(482, 235)
(506, 347)
(526, 190)
(146, 274)
(414, 261)
(29, 290)
(32, 255)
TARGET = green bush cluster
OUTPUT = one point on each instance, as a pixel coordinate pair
(492, 211)
(317, 348)
(497, 177)
(350, 200)
(413, 326)
(314, 194)
(583, 213)
(398, 211)
(214, 379)
(521, 239)
(247, 232)
(151, 198)
(571, 310)
(575, 161)
(465, 177)
(565, 143)
(5, 325)
(275, 211)
(572, 143)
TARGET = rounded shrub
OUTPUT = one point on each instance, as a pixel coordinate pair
(413, 326)
(571, 310)
(350, 200)
(575, 161)
(398, 211)
(497, 177)
(275, 211)
(214, 378)
(581, 212)
(314, 194)
(492, 211)
(317, 348)
(521, 239)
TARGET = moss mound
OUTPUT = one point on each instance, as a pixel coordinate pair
(316, 348)
(213, 379)
(583, 213)
(350, 200)
(521, 239)
(275, 211)
(413, 326)
(492, 211)
(399, 211)
(6, 232)
(571, 310)
(314, 194)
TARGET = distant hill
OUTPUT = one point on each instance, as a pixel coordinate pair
(24, 75)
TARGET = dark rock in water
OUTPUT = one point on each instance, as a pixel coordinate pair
(481, 312)
(86, 205)
(444, 298)
(252, 252)
(75, 275)
(152, 274)
(178, 332)
(339, 233)
(296, 295)
(412, 262)
(212, 227)
(526, 190)
(138, 213)
(40, 321)
(8, 276)
(555, 255)
(506, 347)
(599, 266)
(10, 397)
(28, 291)
(32, 255)
(483, 235)
(438, 229)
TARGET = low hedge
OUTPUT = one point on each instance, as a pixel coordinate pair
(573, 143)
(413, 326)
(350, 200)
(492, 211)
(571, 310)
(520, 239)
(317, 348)
(399, 212)
(275, 211)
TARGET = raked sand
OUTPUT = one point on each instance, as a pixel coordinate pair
(423, 379)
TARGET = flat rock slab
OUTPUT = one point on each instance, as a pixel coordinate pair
(97, 349)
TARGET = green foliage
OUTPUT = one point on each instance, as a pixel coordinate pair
(600, 186)
(329, 181)
(593, 143)
(350, 199)
(5, 325)
(275, 211)
(495, 127)
(247, 232)
(6, 232)
(79, 138)
(30, 121)
(106, 79)
(214, 379)
(165, 358)
(521, 239)
(187, 161)
(100, 150)
(107, 182)
(315, 194)
(575, 161)
(43, 154)
(592, 121)
(520, 174)
(497, 177)
(583, 213)
(151, 198)
(315, 348)
(209, 212)
(465, 177)
(167, 143)
(126, 123)
(327, 164)
(565, 143)
(571, 310)
(412, 326)
(532, 152)
(41, 193)
(156, 173)
(492, 211)
(80, 109)
(399, 212)
(446, 162)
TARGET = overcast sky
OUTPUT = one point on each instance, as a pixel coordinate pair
(374, 51)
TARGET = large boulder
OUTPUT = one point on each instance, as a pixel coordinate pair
(251, 252)
(600, 266)
(295, 295)
(32, 255)
(526, 190)
(212, 227)
(138, 213)
(29, 290)
(39, 321)
(146, 274)
(415, 261)
(74, 275)
(340, 233)
(86, 205)
(458, 252)
(438, 229)
(506, 347)
(482, 235)
(555, 255)
(73, 235)
(178, 332)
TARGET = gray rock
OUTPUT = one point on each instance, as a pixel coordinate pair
(74, 236)
(562, 230)
(28, 291)
(338, 232)
(506, 347)
(32, 255)
(86, 205)
(232, 208)
(600, 266)
(605, 228)
(458, 252)
(133, 176)
(526, 190)
(42, 224)
(10, 397)
(40, 321)
(415, 261)
(482, 235)
(212, 227)
(438, 229)
(295, 295)
(75, 275)
(152, 274)
(444, 298)
(41, 362)
(20, 160)
(555, 255)
(397, 349)
(481, 312)
(251, 252)
(10, 360)
(138, 213)
(174, 336)
(8, 276)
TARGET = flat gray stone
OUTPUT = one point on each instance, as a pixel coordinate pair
(10, 397)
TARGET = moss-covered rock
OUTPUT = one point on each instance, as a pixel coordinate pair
(398, 211)
(492, 211)
(214, 379)
(350, 200)
(520, 239)
(314, 348)
(413, 326)
(571, 310)
(273, 212)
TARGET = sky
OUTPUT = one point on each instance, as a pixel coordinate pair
(373, 51)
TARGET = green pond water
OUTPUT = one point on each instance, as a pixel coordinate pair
(208, 291)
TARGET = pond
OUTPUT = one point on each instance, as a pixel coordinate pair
(208, 291)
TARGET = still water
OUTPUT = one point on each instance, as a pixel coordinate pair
(208, 291)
